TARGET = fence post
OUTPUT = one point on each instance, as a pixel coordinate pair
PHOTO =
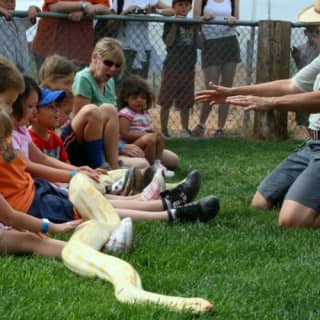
(272, 64)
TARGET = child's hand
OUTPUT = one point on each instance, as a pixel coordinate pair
(64, 227)
(131, 150)
(90, 173)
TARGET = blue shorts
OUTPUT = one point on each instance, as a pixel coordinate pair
(51, 203)
(297, 178)
(77, 153)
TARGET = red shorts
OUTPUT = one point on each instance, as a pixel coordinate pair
(177, 88)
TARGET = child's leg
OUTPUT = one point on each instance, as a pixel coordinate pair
(147, 143)
(169, 159)
(159, 145)
(13, 241)
(81, 256)
(140, 215)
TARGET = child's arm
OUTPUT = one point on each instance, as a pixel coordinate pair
(163, 9)
(20, 220)
(125, 132)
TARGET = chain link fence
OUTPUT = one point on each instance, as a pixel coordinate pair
(238, 122)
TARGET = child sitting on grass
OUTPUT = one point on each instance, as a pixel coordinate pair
(135, 120)
(46, 119)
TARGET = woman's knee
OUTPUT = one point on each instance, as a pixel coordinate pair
(108, 111)
(90, 113)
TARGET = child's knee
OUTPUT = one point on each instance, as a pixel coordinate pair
(260, 202)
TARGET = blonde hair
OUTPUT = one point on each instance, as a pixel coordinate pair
(5, 125)
(113, 47)
(56, 67)
(11, 77)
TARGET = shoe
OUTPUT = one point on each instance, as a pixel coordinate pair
(166, 135)
(219, 133)
(202, 210)
(184, 192)
(185, 133)
(121, 238)
(198, 131)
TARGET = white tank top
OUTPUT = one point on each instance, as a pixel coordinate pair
(218, 10)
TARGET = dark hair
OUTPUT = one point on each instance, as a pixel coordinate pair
(177, 1)
(133, 85)
(17, 107)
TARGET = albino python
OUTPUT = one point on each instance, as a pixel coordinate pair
(81, 253)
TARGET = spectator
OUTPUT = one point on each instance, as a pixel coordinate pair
(177, 84)
(135, 120)
(294, 184)
(95, 85)
(220, 54)
(14, 44)
(45, 119)
(302, 56)
(71, 37)
(134, 35)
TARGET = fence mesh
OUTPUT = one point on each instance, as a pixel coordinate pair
(238, 122)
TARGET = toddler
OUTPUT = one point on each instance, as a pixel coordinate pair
(135, 120)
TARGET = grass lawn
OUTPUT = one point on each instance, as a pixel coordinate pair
(242, 261)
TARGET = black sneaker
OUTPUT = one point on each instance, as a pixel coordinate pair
(202, 210)
(184, 192)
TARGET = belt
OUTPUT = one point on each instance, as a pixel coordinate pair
(314, 134)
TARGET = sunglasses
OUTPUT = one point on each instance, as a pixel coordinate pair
(109, 63)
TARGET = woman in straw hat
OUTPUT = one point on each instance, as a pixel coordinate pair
(294, 184)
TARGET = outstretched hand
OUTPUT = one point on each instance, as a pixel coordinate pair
(252, 102)
(215, 94)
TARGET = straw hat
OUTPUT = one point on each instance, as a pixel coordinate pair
(311, 13)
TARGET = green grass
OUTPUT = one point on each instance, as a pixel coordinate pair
(242, 261)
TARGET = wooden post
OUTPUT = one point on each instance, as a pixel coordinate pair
(272, 64)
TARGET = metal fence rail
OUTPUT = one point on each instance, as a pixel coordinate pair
(238, 122)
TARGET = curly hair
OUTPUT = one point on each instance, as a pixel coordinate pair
(134, 85)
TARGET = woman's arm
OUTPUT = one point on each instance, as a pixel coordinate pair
(20, 220)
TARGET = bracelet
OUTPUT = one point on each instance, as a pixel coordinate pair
(45, 225)
(72, 173)
(121, 146)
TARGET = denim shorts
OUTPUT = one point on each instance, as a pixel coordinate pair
(51, 203)
(297, 178)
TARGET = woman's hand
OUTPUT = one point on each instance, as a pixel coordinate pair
(207, 16)
(64, 227)
(231, 19)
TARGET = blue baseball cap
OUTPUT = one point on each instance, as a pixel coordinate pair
(48, 96)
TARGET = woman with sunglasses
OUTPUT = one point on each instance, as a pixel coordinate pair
(95, 85)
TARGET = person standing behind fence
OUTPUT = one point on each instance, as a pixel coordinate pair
(177, 84)
(133, 35)
(303, 55)
(220, 54)
(71, 37)
(14, 44)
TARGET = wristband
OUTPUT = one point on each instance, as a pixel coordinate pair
(72, 173)
(121, 146)
(45, 225)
